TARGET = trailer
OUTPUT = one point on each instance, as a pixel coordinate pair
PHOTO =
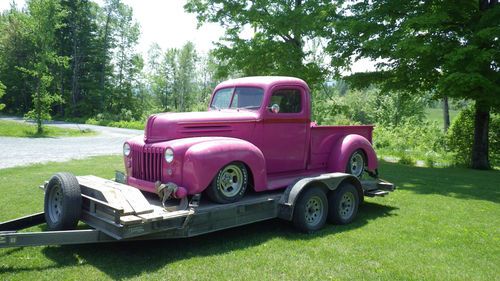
(113, 211)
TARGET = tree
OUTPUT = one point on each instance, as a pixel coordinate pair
(451, 49)
(45, 20)
(280, 29)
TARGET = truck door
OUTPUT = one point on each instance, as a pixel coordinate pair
(285, 130)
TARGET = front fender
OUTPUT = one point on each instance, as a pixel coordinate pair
(344, 147)
(203, 160)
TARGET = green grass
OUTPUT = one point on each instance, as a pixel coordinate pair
(436, 114)
(17, 129)
(441, 224)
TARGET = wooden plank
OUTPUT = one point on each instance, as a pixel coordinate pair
(126, 220)
(131, 198)
(113, 196)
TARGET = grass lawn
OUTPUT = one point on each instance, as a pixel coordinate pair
(16, 129)
(441, 224)
(436, 114)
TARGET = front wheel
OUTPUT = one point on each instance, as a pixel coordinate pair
(230, 183)
(343, 203)
(311, 210)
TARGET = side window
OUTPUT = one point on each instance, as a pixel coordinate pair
(289, 100)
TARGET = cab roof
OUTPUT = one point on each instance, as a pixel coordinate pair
(262, 81)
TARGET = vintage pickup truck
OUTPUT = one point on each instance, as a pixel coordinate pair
(257, 134)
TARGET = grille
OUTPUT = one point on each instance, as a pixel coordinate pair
(146, 163)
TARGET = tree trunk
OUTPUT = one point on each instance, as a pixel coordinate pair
(480, 146)
(446, 114)
(38, 109)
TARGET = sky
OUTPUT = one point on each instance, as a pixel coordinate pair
(166, 23)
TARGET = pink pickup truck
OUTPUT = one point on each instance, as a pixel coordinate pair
(257, 134)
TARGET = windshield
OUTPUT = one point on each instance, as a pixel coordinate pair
(239, 97)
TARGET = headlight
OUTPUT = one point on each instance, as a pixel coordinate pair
(126, 149)
(169, 155)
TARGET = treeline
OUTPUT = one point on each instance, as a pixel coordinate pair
(74, 58)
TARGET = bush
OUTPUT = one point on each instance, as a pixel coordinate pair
(460, 138)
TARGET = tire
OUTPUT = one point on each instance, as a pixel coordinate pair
(343, 203)
(230, 184)
(311, 210)
(356, 164)
(63, 202)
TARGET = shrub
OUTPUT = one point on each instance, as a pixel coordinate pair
(460, 137)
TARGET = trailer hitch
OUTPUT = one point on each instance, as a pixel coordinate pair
(167, 191)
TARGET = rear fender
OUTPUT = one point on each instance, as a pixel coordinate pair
(342, 150)
(203, 160)
(326, 181)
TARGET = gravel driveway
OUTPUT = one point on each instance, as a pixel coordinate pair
(25, 151)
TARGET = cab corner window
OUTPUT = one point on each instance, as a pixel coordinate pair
(288, 100)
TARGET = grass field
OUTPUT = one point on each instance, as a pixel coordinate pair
(441, 224)
(16, 129)
(436, 114)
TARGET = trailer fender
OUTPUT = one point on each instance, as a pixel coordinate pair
(327, 181)
(203, 160)
(344, 147)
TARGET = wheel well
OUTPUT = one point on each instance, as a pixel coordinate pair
(250, 175)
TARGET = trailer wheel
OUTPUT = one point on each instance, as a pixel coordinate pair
(230, 183)
(343, 203)
(63, 202)
(311, 210)
(356, 164)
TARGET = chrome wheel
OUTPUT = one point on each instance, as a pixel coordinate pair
(346, 207)
(356, 164)
(314, 210)
(231, 181)
(55, 203)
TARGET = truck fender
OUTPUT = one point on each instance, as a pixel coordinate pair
(326, 181)
(203, 160)
(344, 147)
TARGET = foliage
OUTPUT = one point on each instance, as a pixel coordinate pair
(277, 45)
(17, 129)
(461, 135)
(396, 227)
(366, 106)
(2, 92)
(425, 46)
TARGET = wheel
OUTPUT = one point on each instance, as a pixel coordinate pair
(356, 164)
(311, 210)
(230, 183)
(343, 203)
(63, 201)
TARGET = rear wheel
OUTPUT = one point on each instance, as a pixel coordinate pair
(356, 164)
(343, 203)
(63, 200)
(311, 210)
(230, 183)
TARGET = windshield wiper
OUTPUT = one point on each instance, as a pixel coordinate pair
(249, 107)
(214, 107)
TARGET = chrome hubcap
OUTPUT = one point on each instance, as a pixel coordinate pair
(357, 164)
(55, 203)
(347, 205)
(314, 210)
(231, 180)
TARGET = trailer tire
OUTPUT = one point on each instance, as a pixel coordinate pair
(63, 201)
(356, 164)
(311, 210)
(230, 183)
(343, 203)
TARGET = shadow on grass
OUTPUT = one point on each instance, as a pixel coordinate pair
(455, 182)
(128, 259)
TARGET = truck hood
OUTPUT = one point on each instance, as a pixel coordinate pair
(169, 126)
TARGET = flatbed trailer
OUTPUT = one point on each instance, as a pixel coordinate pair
(117, 212)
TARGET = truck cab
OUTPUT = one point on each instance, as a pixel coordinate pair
(256, 134)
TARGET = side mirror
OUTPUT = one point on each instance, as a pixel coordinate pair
(274, 108)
